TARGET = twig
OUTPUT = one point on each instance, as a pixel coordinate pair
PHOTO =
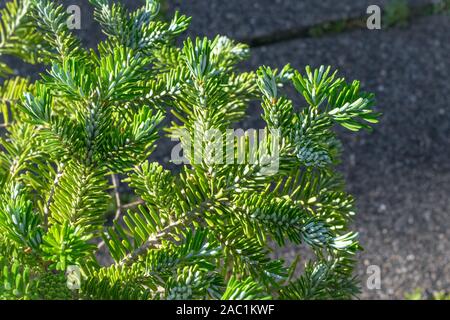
(117, 196)
(59, 173)
(133, 204)
(119, 207)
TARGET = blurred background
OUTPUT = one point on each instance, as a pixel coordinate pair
(399, 173)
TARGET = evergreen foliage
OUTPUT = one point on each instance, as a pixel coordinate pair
(207, 232)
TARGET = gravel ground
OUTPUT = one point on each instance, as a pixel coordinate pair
(400, 173)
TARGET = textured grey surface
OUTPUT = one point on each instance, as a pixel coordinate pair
(244, 19)
(400, 174)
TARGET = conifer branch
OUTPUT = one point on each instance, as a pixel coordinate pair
(201, 232)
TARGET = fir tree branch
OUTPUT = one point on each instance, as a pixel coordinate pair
(202, 233)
